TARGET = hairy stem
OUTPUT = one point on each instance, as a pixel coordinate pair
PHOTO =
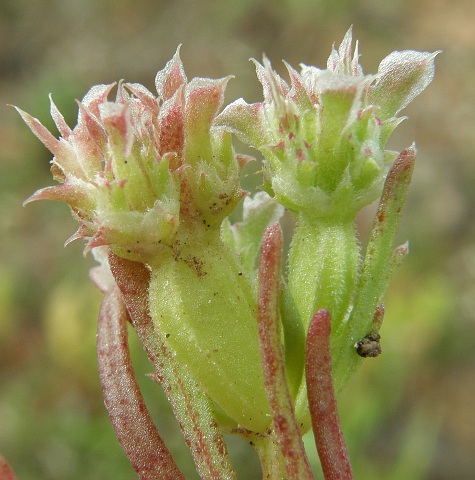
(270, 455)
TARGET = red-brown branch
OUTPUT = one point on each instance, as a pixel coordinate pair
(285, 424)
(130, 418)
(329, 439)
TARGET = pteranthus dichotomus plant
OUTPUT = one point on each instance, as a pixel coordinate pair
(242, 340)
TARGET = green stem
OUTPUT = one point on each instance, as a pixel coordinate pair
(322, 267)
(270, 456)
(322, 271)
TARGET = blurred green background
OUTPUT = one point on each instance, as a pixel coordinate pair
(409, 414)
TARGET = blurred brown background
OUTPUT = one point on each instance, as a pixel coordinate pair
(410, 414)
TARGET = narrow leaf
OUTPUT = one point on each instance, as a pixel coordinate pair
(41, 132)
(285, 425)
(329, 439)
(59, 121)
(130, 418)
(380, 261)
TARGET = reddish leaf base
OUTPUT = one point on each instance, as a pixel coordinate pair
(133, 424)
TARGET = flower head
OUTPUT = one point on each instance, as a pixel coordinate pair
(323, 137)
(135, 169)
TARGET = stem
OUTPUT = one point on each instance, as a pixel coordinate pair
(130, 418)
(192, 408)
(270, 455)
(329, 439)
(286, 429)
(322, 267)
(322, 271)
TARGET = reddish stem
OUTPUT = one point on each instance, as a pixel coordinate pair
(329, 439)
(130, 418)
(285, 424)
(6, 472)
